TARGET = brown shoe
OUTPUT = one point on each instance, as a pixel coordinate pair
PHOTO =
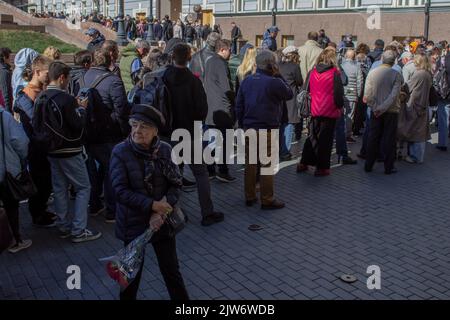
(273, 206)
(302, 167)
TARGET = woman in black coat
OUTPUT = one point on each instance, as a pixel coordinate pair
(290, 71)
(146, 186)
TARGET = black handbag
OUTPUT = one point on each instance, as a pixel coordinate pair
(304, 100)
(176, 220)
(6, 236)
(21, 187)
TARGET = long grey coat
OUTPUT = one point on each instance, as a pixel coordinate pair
(291, 73)
(413, 123)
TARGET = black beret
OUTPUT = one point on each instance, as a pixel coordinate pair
(147, 114)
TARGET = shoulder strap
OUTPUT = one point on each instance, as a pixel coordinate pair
(81, 81)
(307, 80)
(98, 80)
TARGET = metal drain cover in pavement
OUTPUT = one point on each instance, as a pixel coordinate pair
(348, 278)
(254, 227)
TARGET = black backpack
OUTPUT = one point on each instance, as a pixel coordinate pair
(47, 123)
(155, 93)
(76, 83)
(98, 114)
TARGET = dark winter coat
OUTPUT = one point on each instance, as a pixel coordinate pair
(113, 95)
(291, 73)
(133, 202)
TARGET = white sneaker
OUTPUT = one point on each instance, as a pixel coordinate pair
(410, 160)
(20, 246)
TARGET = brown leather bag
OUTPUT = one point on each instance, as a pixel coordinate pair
(6, 235)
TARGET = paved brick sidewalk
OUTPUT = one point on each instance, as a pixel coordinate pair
(333, 225)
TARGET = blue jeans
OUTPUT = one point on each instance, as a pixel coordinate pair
(417, 150)
(286, 132)
(65, 172)
(443, 111)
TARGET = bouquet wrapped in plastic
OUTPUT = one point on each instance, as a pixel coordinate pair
(124, 266)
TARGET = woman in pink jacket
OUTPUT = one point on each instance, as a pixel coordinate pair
(327, 101)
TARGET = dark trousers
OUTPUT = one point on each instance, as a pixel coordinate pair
(234, 46)
(359, 117)
(200, 173)
(223, 168)
(42, 177)
(318, 145)
(96, 178)
(298, 128)
(166, 253)
(11, 207)
(382, 134)
(101, 153)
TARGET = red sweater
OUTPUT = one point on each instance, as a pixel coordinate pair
(323, 89)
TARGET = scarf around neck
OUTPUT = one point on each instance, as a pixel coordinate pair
(153, 161)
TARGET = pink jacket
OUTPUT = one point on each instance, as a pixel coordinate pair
(322, 89)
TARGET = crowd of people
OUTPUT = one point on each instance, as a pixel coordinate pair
(99, 132)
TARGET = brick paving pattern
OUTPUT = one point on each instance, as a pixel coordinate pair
(330, 226)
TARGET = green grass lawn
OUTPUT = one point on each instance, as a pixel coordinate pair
(16, 40)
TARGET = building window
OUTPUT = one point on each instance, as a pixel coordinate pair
(355, 3)
(247, 5)
(287, 41)
(376, 2)
(302, 4)
(267, 5)
(323, 4)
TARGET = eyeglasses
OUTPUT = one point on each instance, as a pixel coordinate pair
(135, 124)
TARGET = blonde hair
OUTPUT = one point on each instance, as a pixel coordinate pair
(327, 56)
(52, 53)
(422, 62)
(248, 64)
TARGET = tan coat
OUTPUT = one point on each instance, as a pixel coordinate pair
(413, 125)
(308, 56)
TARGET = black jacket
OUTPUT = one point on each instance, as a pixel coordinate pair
(5, 85)
(188, 102)
(73, 123)
(189, 32)
(167, 31)
(133, 203)
(205, 32)
(112, 92)
(219, 91)
(323, 41)
(235, 33)
(375, 55)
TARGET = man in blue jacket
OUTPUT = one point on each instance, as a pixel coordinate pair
(270, 39)
(259, 106)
